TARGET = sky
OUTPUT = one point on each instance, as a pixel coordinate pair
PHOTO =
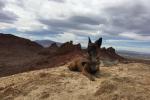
(123, 24)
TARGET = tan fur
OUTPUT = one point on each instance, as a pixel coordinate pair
(83, 65)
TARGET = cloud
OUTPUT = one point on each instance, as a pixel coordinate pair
(128, 17)
(91, 20)
(63, 37)
(59, 1)
(74, 23)
(2, 4)
(135, 36)
(112, 19)
(85, 15)
(6, 16)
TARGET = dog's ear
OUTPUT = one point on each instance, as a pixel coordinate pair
(89, 46)
(89, 41)
(99, 42)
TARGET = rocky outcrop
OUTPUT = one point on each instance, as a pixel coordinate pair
(54, 45)
(111, 50)
(49, 51)
(69, 47)
(110, 54)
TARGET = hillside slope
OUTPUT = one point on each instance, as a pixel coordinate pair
(20, 55)
(120, 82)
(16, 52)
(8, 41)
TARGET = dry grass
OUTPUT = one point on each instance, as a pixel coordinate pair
(121, 82)
(106, 87)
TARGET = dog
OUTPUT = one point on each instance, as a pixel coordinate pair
(88, 66)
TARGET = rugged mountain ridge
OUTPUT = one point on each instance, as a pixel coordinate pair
(19, 54)
(109, 54)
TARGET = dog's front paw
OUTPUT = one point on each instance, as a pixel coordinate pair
(97, 75)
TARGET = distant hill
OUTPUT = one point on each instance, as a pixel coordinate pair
(133, 54)
(47, 43)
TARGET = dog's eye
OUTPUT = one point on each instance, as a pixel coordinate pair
(83, 63)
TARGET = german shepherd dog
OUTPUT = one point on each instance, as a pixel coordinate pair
(89, 66)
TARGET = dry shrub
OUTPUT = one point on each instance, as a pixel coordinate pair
(120, 68)
(63, 75)
(123, 79)
(44, 95)
(42, 74)
(106, 87)
(1, 88)
(9, 92)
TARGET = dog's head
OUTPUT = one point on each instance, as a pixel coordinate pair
(93, 49)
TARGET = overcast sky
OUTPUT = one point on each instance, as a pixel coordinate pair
(123, 24)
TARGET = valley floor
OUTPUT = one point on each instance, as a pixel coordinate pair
(120, 82)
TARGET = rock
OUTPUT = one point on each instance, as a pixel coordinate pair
(111, 50)
(53, 45)
(109, 54)
(69, 47)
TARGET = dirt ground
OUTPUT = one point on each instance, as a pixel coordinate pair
(120, 82)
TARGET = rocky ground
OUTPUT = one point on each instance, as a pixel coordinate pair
(118, 82)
